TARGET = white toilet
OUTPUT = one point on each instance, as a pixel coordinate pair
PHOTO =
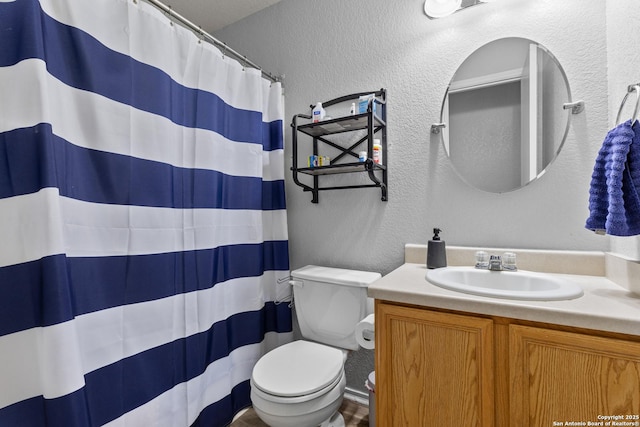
(301, 384)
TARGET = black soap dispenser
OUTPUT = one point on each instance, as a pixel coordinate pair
(436, 251)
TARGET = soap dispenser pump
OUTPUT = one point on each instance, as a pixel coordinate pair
(436, 251)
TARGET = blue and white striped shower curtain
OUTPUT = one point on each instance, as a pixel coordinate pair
(143, 227)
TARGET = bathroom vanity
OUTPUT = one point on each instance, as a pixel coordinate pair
(453, 359)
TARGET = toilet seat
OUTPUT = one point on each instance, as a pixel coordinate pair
(290, 401)
(298, 371)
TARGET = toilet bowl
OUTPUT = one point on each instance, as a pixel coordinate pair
(300, 384)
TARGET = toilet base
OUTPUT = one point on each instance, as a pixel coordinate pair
(312, 419)
(336, 420)
(320, 410)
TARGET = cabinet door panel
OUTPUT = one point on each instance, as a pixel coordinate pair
(433, 368)
(564, 376)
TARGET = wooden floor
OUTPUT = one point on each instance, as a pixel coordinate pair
(355, 415)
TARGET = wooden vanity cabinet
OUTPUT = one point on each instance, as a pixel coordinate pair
(559, 376)
(432, 369)
(436, 367)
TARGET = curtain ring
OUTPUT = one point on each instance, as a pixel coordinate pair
(632, 88)
(244, 63)
(170, 16)
(224, 50)
(201, 34)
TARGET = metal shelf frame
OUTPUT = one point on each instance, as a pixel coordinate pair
(373, 122)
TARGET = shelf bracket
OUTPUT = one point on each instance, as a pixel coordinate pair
(384, 193)
(370, 167)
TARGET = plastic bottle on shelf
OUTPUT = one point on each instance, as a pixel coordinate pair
(352, 111)
(317, 113)
(377, 151)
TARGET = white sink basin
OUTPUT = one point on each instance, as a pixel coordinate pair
(522, 285)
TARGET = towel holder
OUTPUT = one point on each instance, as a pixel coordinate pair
(631, 88)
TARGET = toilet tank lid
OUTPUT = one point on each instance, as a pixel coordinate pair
(340, 276)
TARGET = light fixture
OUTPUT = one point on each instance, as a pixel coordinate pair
(441, 8)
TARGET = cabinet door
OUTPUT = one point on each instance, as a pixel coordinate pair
(432, 369)
(563, 377)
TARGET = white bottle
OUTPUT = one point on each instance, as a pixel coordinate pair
(317, 113)
(352, 111)
(377, 151)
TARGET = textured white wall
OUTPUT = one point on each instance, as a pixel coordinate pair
(330, 48)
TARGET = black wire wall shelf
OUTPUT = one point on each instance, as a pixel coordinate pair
(373, 122)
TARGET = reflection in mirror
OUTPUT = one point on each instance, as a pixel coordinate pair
(504, 114)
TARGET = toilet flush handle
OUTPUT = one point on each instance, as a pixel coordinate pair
(298, 283)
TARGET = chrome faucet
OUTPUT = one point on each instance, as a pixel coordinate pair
(506, 262)
(495, 263)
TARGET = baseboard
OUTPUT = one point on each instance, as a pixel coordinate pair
(357, 396)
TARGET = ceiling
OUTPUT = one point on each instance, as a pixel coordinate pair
(213, 15)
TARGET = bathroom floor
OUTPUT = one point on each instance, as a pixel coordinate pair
(355, 415)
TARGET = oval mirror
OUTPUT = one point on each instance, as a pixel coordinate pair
(504, 115)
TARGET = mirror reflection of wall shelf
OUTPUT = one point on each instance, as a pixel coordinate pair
(345, 137)
(440, 8)
(506, 114)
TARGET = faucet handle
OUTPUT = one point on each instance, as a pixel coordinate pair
(482, 259)
(509, 261)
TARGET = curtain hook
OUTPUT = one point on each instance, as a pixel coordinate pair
(244, 63)
(170, 16)
(224, 50)
(201, 34)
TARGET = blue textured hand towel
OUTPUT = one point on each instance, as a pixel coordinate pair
(614, 201)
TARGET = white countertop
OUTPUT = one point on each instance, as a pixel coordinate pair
(605, 306)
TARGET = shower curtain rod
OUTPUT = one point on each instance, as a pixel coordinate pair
(208, 37)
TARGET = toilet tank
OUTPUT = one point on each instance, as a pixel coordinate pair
(329, 303)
